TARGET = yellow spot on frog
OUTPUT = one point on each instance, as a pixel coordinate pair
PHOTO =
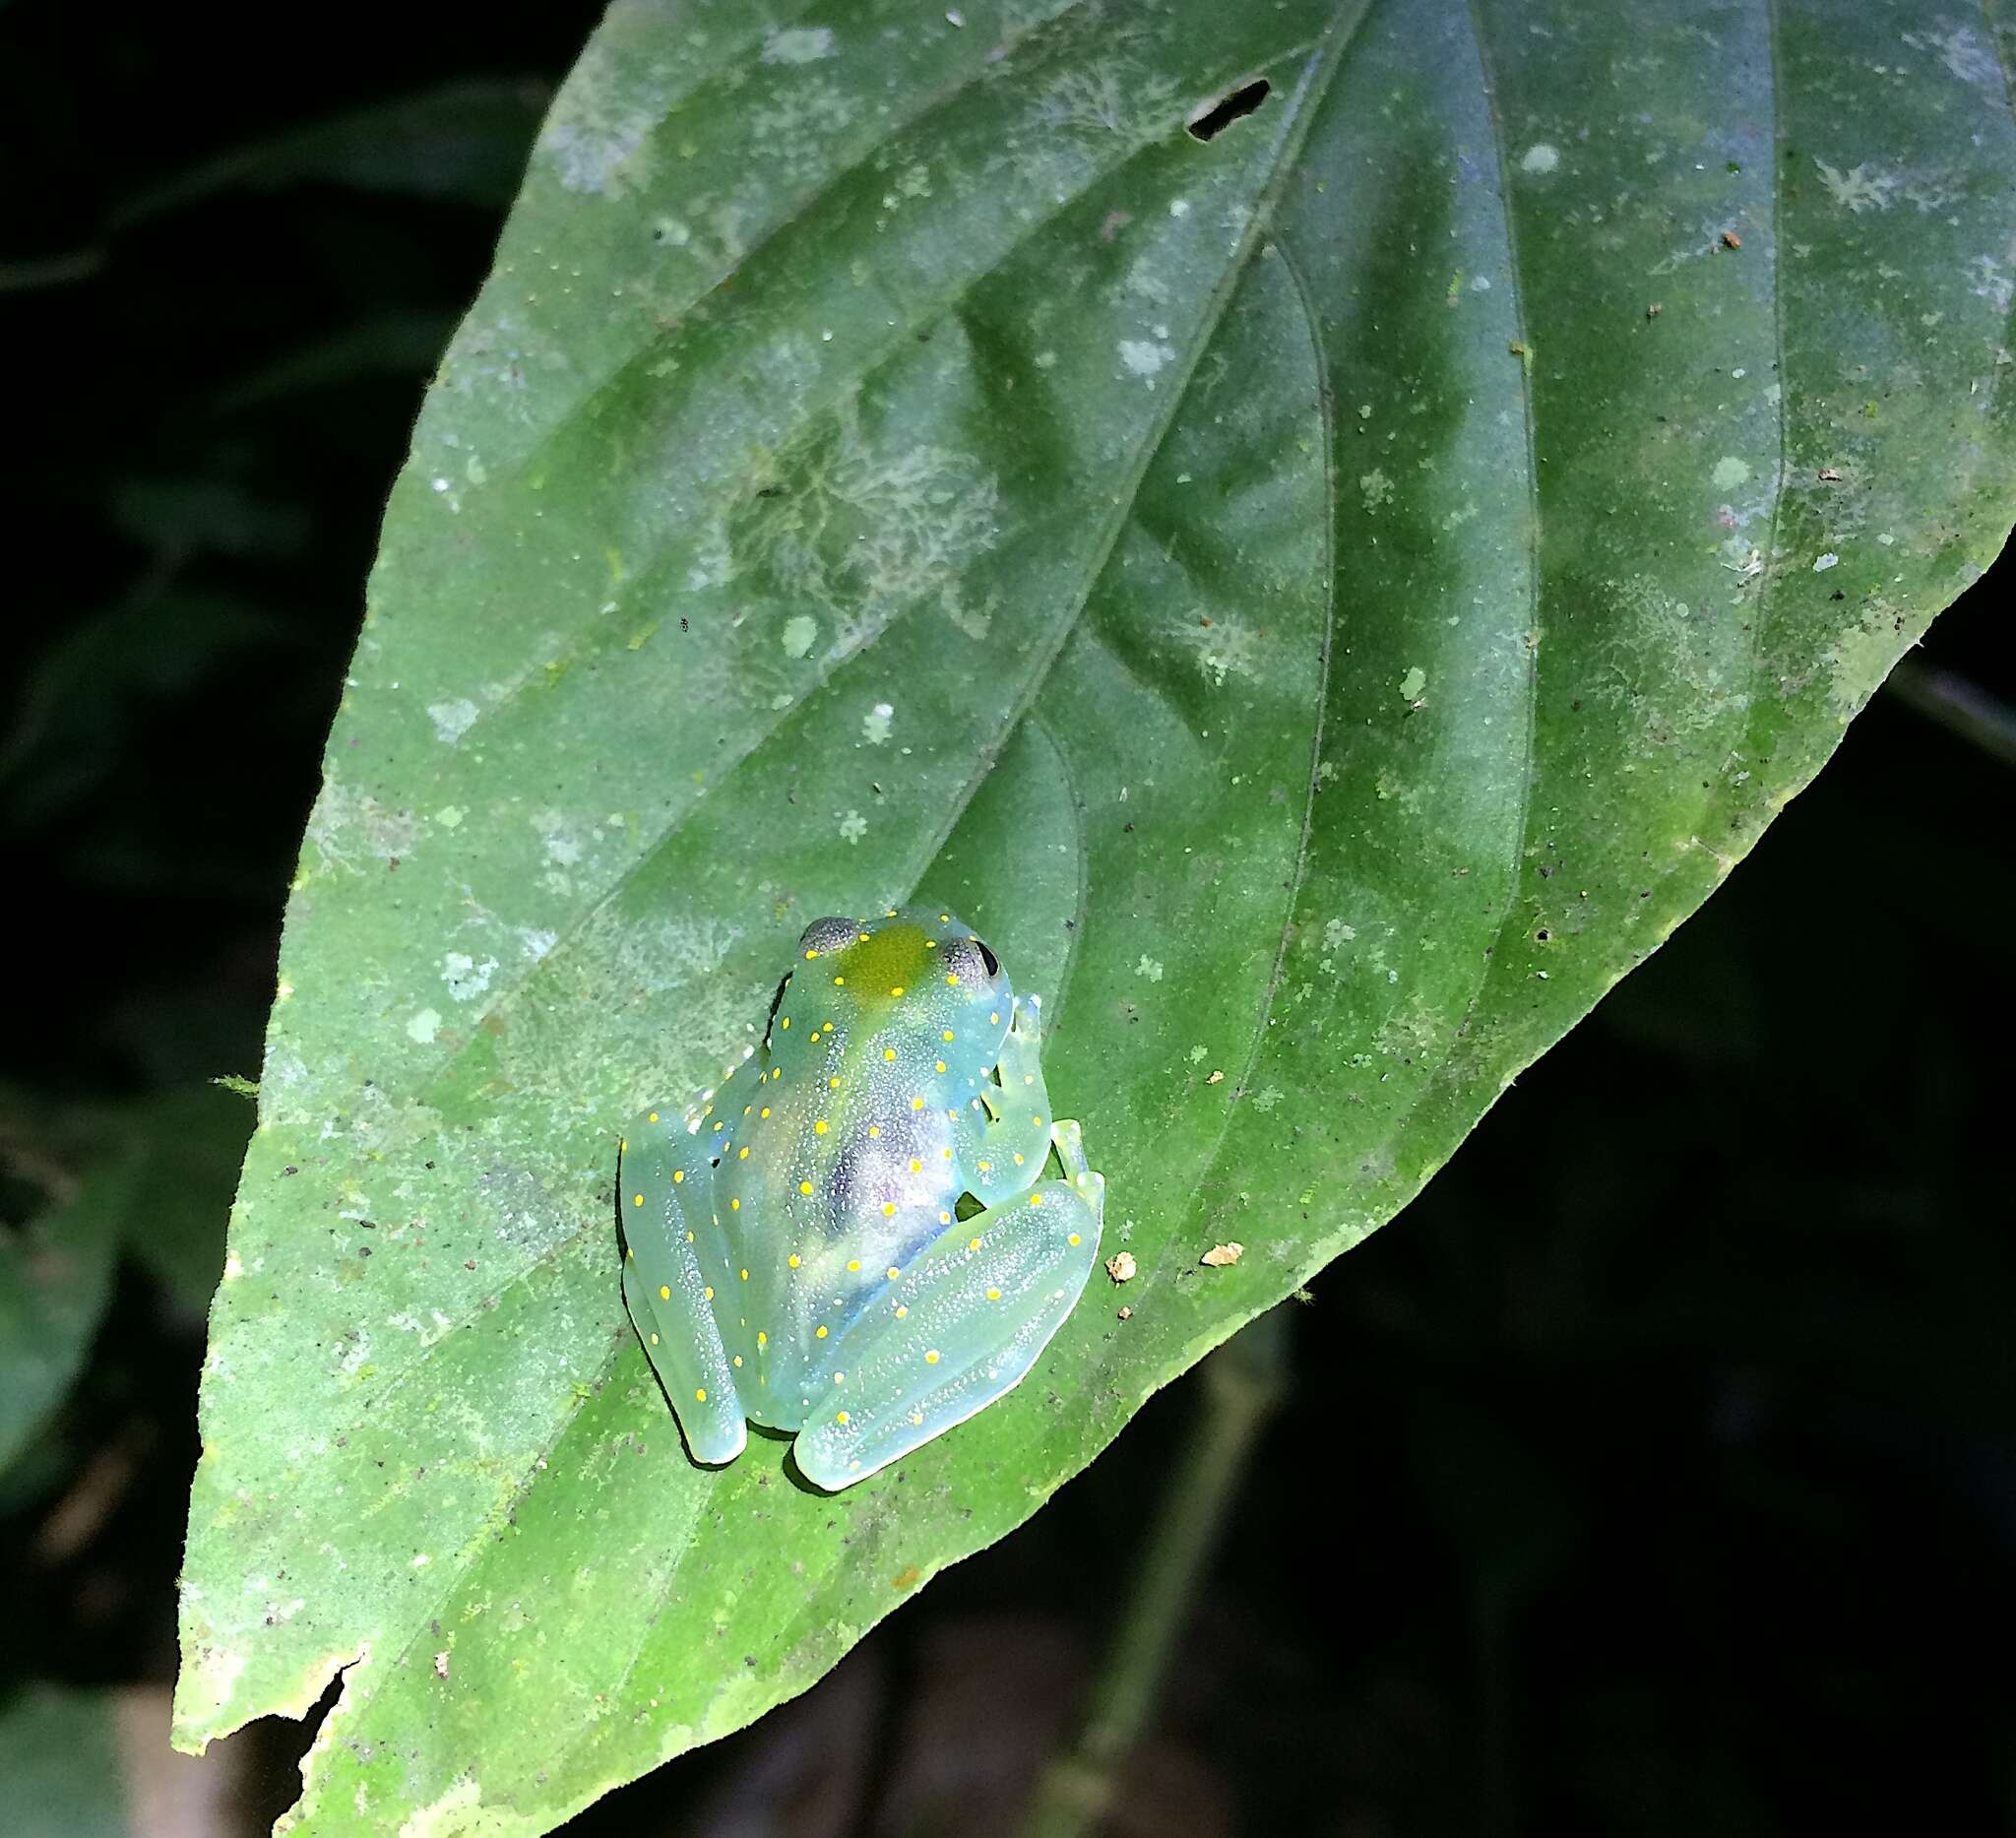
(741, 1155)
(794, 1260)
(664, 1293)
(888, 1208)
(1073, 1238)
(701, 1393)
(889, 1052)
(853, 1263)
(897, 991)
(973, 1244)
(1036, 1199)
(819, 1128)
(637, 1199)
(993, 1295)
(947, 1034)
(818, 1333)
(805, 1186)
(840, 1416)
(893, 1273)
(931, 1357)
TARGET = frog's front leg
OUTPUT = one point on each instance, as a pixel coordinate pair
(960, 1328)
(1013, 1135)
(673, 1254)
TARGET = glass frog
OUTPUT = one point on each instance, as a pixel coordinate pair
(796, 1253)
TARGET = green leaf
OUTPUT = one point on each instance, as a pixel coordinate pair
(151, 1177)
(96, 1764)
(1328, 599)
(463, 142)
(55, 1273)
(60, 1770)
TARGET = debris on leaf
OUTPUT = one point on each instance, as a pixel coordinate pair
(441, 1665)
(1829, 475)
(1653, 310)
(1219, 1255)
(1120, 1266)
(1731, 241)
(1126, 1314)
(1217, 1078)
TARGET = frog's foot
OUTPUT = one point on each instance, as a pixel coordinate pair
(1069, 1141)
(673, 1255)
(960, 1328)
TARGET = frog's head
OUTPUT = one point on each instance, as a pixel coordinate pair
(919, 968)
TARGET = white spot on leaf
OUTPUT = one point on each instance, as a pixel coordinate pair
(1144, 356)
(799, 44)
(453, 720)
(465, 977)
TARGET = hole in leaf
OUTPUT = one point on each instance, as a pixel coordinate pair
(1235, 105)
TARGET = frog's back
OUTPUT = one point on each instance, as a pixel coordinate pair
(849, 1152)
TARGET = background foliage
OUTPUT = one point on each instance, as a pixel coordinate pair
(1696, 1340)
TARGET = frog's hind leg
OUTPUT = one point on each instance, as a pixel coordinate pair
(960, 1327)
(674, 1249)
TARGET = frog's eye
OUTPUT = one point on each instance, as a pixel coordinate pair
(827, 935)
(968, 960)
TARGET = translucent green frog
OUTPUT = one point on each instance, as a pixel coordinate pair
(805, 1252)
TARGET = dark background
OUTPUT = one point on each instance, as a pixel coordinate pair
(1653, 1474)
